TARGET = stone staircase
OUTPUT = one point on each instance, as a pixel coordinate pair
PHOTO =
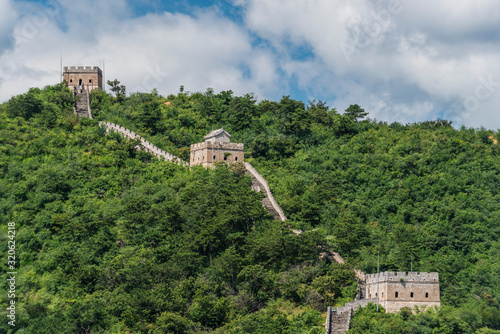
(338, 320)
(361, 290)
(145, 145)
(260, 184)
(82, 104)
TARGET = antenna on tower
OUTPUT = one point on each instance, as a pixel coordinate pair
(104, 74)
(61, 71)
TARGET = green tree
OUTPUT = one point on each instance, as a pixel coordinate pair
(355, 112)
(117, 89)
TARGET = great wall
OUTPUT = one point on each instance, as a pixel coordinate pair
(424, 286)
(145, 145)
(400, 289)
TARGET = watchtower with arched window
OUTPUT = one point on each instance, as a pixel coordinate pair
(398, 290)
(83, 77)
(216, 148)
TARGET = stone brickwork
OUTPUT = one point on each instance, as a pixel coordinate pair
(208, 153)
(145, 145)
(86, 77)
(82, 104)
(338, 320)
(260, 184)
(216, 148)
(398, 290)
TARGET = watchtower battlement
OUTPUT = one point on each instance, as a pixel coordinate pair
(83, 77)
(82, 69)
(390, 276)
(216, 147)
(400, 289)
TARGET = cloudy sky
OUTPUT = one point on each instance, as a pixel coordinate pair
(401, 60)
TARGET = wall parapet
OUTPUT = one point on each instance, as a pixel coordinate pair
(146, 145)
(216, 145)
(391, 276)
(269, 195)
(82, 69)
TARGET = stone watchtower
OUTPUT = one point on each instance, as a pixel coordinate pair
(83, 77)
(398, 290)
(217, 147)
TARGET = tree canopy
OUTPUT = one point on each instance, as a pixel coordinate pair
(111, 240)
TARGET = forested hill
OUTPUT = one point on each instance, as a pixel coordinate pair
(112, 240)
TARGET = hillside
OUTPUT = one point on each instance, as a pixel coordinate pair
(112, 240)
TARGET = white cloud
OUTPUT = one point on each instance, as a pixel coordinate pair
(403, 60)
(7, 21)
(161, 51)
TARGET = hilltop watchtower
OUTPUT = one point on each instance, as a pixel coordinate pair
(217, 147)
(398, 290)
(83, 77)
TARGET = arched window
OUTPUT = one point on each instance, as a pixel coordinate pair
(70, 80)
(90, 80)
(214, 157)
(225, 158)
(426, 295)
(396, 294)
(235, 158)
(80, 82)
(411, 294)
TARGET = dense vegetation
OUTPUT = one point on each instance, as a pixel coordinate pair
(111, 240)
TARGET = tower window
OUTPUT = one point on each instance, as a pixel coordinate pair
(411, 294)
(235, 158)
(70, 80)
(396, 294)
(90, 80)
(214, 157)
(225, 158)
(426, 295)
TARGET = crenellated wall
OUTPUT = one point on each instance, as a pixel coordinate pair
(145, 145)
(262, 184)
(396, 289)
(396, 276)
(86, 77)
(207, 153)
(401, 289)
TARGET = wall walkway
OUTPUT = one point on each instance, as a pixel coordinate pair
(82, 105)
(258, 184)
(145, 145)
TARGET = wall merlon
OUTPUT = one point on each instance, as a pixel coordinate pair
(390, 276)
(146, 145)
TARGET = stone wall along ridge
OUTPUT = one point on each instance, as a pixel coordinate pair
(146, 145)
(338, 321)
(88, 105)
(263, 181)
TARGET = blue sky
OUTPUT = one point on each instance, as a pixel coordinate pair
(401, 60)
